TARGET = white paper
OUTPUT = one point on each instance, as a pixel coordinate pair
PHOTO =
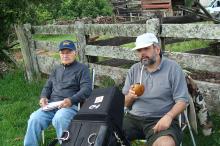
(52, 105)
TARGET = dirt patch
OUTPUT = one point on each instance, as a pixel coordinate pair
(207, 51)
(206, 76)
(117, 63)
(116, 41)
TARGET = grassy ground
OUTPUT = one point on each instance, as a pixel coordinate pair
(180, 46)
(19, 99)
(54, 38)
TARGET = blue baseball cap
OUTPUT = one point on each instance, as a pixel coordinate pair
(67, 44)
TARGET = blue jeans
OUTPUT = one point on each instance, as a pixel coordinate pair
(40, 120)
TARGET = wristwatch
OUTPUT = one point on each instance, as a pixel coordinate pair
(126, 110)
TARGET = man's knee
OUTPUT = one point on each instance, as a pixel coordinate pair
(58, 118)
(35, 119)
(164, 141)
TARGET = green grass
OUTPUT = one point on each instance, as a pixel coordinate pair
(54, 38)
(180, 46)
(128, 45)
(18, 100)
(104, 37)
(187, 45)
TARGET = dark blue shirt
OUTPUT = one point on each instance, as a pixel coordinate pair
(68, 81)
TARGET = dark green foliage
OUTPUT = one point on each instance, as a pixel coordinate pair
(44, 11)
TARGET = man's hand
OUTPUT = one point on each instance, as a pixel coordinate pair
(163, 124)
(66, 103)
(43, 102)
(130, 97)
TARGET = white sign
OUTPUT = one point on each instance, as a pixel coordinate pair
(94, 106)
(99, 99)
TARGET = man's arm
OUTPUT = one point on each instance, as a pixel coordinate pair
(130, 97)
(180, 96)
(165, 122)
(85, 87)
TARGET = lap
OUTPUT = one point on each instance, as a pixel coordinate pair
(139, 128)
(49, 115)
(66, 113)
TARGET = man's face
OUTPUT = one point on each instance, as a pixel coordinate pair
(148, 55)
(67, 56)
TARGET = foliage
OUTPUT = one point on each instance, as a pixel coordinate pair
(41, 12)
(90, 8)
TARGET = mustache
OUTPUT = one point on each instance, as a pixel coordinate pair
(145, 57)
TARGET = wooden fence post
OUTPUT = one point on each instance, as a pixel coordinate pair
(81, 40)
(131, 17)
(28, 50)
(154, 26)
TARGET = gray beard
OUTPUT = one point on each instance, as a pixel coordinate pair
(147, 62)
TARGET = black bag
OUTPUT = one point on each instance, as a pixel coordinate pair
(103, 105)
(86, 133)
(99, 119)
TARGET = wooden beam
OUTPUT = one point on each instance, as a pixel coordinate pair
(196, 61)
(28, 50)
(79, 28)
(111, 52)
(211, 93)
(49, 46)
(117, 74)
(53, 29)
(46, 64)
(115, 29)
(199, 31)
(45, 45)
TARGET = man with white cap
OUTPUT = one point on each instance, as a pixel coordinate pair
(153, 115)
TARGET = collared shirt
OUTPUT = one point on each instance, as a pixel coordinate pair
(68, 81)
(163, 87)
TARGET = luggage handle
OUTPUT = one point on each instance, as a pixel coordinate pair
(64, 138)
(90, 136)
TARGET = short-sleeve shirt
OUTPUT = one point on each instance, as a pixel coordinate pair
(163, 88)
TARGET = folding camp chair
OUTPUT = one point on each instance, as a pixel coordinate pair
(184, 122)
(92, 73)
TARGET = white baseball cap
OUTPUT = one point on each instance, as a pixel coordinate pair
(145, 40)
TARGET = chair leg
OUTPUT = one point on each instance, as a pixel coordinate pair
(190, 129)
(43, 137)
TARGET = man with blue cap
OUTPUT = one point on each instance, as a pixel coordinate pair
(68, 85)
